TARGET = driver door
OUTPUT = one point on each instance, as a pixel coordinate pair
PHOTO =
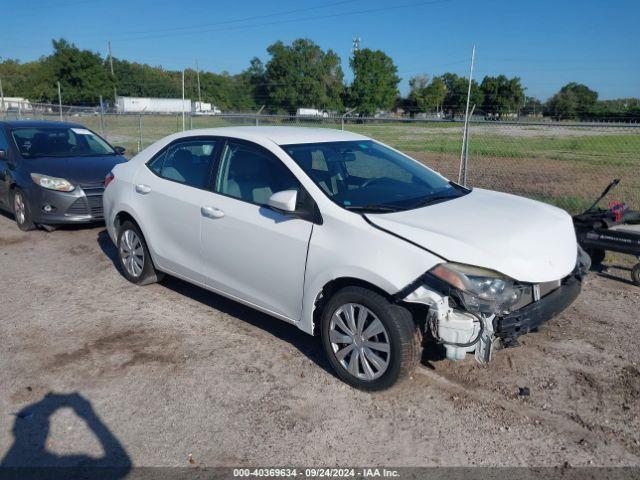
(251, 251)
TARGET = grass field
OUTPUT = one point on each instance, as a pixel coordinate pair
(567, 166)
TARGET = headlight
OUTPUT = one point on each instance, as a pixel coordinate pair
(52, 183)
(482, 290)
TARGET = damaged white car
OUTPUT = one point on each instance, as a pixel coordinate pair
(347, 238)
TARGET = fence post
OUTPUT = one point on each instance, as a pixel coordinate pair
(258, 113)
(59, 102)
(101, 118)
(139, 132)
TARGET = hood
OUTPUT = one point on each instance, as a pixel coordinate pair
(527, 240)
(77, 170)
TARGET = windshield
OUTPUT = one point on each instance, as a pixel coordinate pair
(367, 176)
(59, 142)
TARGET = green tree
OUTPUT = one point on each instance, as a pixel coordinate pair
(502, 95)
(426, 96)
(375, 81)
(81, 73)
(455, 100)
(574, 100)
(303, 75)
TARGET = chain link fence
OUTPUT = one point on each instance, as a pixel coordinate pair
(564, 164)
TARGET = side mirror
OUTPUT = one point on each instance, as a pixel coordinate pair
(284, 201)
(119, 150)
(3, 154)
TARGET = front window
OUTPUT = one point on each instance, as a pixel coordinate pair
(59, 142)
(367, 176)
(249, 173)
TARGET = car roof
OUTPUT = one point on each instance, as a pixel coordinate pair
(38, 124)
(283, 135)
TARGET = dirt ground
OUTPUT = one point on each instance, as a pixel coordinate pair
(171, 375)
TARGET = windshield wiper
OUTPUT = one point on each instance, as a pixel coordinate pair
(425, 202)
(371, 208)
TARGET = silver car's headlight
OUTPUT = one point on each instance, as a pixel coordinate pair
(480, 289)
(52, 183)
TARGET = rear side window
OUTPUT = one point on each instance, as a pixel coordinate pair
(249, 173)
(188, 162)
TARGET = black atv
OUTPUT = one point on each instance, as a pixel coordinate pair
(616, 229)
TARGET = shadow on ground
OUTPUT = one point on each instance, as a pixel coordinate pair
(29, 458)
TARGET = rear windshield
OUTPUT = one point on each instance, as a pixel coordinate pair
(59, 142)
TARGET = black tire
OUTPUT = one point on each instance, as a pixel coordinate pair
(635, 274)
(22, 213)
(597, 256)
(404, 340)
(144, 271)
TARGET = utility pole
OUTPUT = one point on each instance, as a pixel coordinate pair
(183, 123)
(115, 93)
(198, 76)
(466, 117)
(59, 102)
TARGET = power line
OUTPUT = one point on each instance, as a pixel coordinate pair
(293, 20)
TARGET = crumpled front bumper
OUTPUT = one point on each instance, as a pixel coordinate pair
(531, 317)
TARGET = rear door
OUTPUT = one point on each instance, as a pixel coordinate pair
(170, 191)
(249, 250)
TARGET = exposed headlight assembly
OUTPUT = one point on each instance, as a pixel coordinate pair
(52, 183)
(482, 290)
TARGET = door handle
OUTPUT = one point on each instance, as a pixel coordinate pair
(211, 212)
(143, 189)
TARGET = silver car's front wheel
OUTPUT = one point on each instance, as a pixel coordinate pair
(131, 253)
(359, 341)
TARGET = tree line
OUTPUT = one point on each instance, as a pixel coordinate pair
(299, 74)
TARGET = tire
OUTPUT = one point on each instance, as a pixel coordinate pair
(134, 257)
(635, 274)
(597, 256)
(22, 210)
(350, 354)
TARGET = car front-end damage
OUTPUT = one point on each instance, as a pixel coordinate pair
(472, 309)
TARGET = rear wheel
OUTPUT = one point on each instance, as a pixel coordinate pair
(134, 256)
(22, 211)
(370, 342)
(635, 274)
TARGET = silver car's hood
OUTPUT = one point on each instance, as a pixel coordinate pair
(527, 240)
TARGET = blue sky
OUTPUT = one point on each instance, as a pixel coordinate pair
(546, 43)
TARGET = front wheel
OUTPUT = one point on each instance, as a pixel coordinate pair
(370, 342)
(22, 211)
(134, 256)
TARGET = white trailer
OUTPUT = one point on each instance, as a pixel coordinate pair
(16, 104)
(152, 105)
(311, 112)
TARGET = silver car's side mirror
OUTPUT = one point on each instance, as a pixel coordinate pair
(284, 201)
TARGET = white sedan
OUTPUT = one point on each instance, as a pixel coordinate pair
(343, 237)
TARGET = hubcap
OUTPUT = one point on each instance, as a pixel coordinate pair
(19, 208)
(359, 341)
(131, 253)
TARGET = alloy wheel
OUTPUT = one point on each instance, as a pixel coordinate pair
(19, 208)
(132, 253)
(360, 341)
